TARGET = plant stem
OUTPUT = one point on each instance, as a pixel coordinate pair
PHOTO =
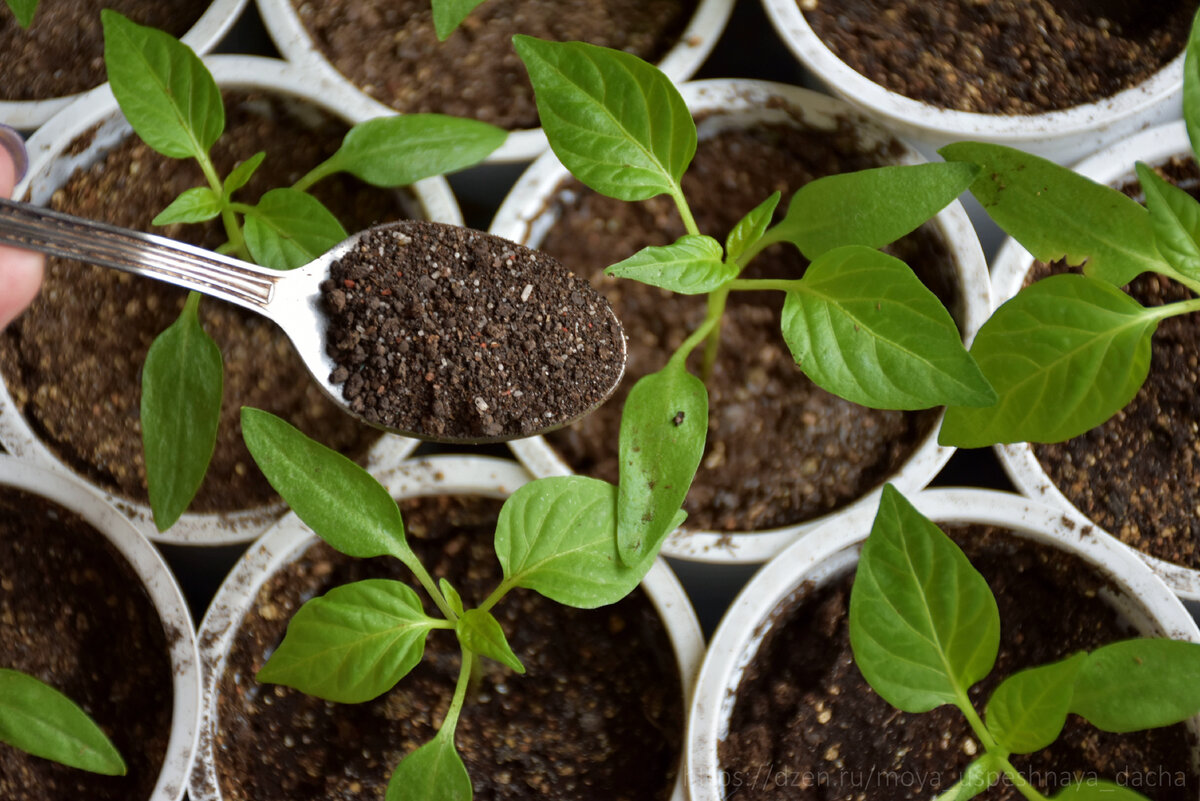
(493, 599)
(460, 695)
(977, 726)
(685, 211)
(1023, 786)
(1176, 309)
(757, 284)
(712, 344)
(681, 354)
(237, 242)
(326, 167)
(427, 582)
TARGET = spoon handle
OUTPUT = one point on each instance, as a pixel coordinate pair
(34, 228)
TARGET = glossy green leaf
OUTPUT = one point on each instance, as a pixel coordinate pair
(164, 90)
(663, 428)
(691, 266)
(480, 632)
(182, 382)
(1139, 684)
(1191, 86)
(1058, 214)
(1027, 711)
(40, 720)
(338, 500)
(871, 208)
(924, 625)
(750, 228)
(23, 10)
(861, 325)
(194, 205)
(616, 122)
(978, 777)
(451, 595)
(434, 772)
(449, 14)
(1064, 355)
(353, 643)
(1175, 218)
(288, 229)
(241, 174)
(558, 536)
(1098, 790)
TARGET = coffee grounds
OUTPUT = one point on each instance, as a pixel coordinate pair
(597, 716)
(74, 614)
(465, 336)
(806, 725)
(1004, 56)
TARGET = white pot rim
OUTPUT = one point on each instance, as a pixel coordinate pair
(45, 173)
(164, 593)
(292, 38)
(826, 553)
(1113, 165)
(517, 220)
(436, 475)
(202, 37)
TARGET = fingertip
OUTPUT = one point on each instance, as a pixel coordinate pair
(19, 281)
(14, 160)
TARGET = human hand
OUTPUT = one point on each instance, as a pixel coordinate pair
(20, 270)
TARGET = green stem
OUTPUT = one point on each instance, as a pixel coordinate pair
(325, 168)
(685, 211)
(681, 354)
(493, 599)
(977, 726)
(764, 242)
(1176, 309)
(712, 344)
(1023, 786)
(757, 284)
(237, 242)
(460, 695)
(427, 582)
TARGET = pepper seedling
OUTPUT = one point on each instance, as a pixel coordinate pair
(924, 627)
(172, 102)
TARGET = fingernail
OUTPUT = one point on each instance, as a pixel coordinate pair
(15, 145)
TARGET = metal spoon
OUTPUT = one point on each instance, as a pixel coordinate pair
(292, 299)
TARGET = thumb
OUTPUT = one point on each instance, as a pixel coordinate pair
(20, 270)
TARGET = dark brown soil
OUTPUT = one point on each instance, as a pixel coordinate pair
(1004, 56)
(589, 720)
(805, 717)
(460, 335)
(780, 450)
(73, 361)
(388, 48)
(62, 52)
(1138, 475)
(74, 614)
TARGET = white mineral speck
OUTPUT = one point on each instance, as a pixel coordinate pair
(481, 404)
(526, 292)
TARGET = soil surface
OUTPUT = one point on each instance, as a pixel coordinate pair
(1138, 475)
(462, 335)
(806, 725)
(1004, 56)
(780, 450)
(74, 614)
(62, 51)
(588, 720)
(388, 48)
(73, 361)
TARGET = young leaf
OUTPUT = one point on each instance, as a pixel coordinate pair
(353, 643)
(1098, 790)
(1056, 213)
(241, 174)
(1175, 217)
(1191, 86)
(1027, 711)
(452, 596)
(750, 228)
(978, 777)
(479, 632)
(1139, 684)
(164, 90)
(434, 772)
(924, 625)
(663, 428)
(23, 10)
(449, 14)
(558, 537)
(288, 229)
(334, 496)
(690, 266)
(41, 721)
(1064, 354)
(194, 205)
(614, 121)
(181, 410)
(861, 325)
(871, 208)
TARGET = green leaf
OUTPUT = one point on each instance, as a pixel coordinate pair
(663, 428)
(614, 121)
(978, 777)
(194, 205)
(750, 228)
(862, 325)
(452, 596)
(434, 772)
(353, 643)
(558, 536)
(690, 266)
(338, 500)
(241, 174)
(480, 632)
(164, 90)
(871, 208)
(23, 10)
(288, 229)
(1191, 86)
(449, 14)
(40, 720)
(924, 626)
(1139, 684)
(1027, 711)
(182, 382)
(1175, 217)
(1064, 354)
(1098, 790)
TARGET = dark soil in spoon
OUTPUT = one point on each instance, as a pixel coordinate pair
(461, 335)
